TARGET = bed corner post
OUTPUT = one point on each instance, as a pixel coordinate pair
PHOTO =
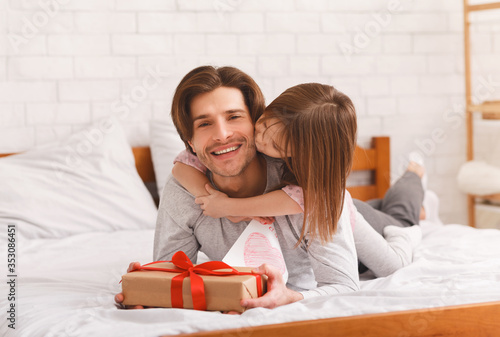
(382, 147)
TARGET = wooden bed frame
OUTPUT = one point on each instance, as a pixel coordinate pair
(479, 319)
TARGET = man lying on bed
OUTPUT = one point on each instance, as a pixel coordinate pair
(222, 96)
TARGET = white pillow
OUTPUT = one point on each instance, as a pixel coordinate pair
(86, 183)
(165, 145)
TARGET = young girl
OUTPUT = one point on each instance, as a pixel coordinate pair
(312, 128)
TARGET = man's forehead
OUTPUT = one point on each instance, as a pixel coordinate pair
(220, 100)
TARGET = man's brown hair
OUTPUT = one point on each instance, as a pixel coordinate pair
(206, 79)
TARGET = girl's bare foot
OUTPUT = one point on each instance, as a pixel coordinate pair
(417, 166)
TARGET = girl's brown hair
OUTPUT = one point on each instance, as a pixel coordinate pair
(206, 79)
(319, 128)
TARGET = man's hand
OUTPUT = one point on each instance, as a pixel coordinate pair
(277, 292)
(119, 297)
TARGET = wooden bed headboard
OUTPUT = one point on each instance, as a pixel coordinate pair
(376, 159)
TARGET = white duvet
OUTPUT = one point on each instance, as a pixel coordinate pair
(66, 286)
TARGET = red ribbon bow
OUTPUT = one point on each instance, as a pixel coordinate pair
(187, 269)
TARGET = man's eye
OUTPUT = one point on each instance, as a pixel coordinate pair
(234, 117)
(201, 125)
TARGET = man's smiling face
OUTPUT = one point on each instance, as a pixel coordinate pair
(223, 133)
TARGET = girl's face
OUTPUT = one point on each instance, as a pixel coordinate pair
(267, 137)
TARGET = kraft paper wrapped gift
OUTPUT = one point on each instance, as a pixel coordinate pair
(152, 286)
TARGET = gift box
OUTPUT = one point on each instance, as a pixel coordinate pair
(180, 284)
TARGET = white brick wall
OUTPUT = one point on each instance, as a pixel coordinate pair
(12, 115)
(167, 22)
(3, 43)
(87, 91)
(3, 68)
(88, 67)
(32, 91)
(397, 43)
(145, 5)
(442, 43)
(293, 22)
(78, 44)
(141, 44)
(318, 44)
(401, 62)
(221, 44)
(104, 22)
(40, 68)
(57, 114)
(267, 44)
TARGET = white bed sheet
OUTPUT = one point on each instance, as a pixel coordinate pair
(66, 286)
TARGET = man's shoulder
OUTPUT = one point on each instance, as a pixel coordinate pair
(177, 208)
(173, 184)
(274, 171)
(272, 161)
(175, 196)
(274, 165)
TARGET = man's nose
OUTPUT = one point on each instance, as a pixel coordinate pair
(223, 131)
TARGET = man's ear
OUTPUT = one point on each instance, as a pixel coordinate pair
(192, 147)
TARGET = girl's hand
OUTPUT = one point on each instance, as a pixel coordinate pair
(218, 205)
(265, 220)
(215, 204)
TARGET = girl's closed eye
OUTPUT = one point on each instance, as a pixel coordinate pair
(267, 137)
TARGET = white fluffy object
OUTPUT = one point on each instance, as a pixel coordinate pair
(479, 178)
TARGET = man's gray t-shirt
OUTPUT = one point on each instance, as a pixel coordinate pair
(314, 269)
